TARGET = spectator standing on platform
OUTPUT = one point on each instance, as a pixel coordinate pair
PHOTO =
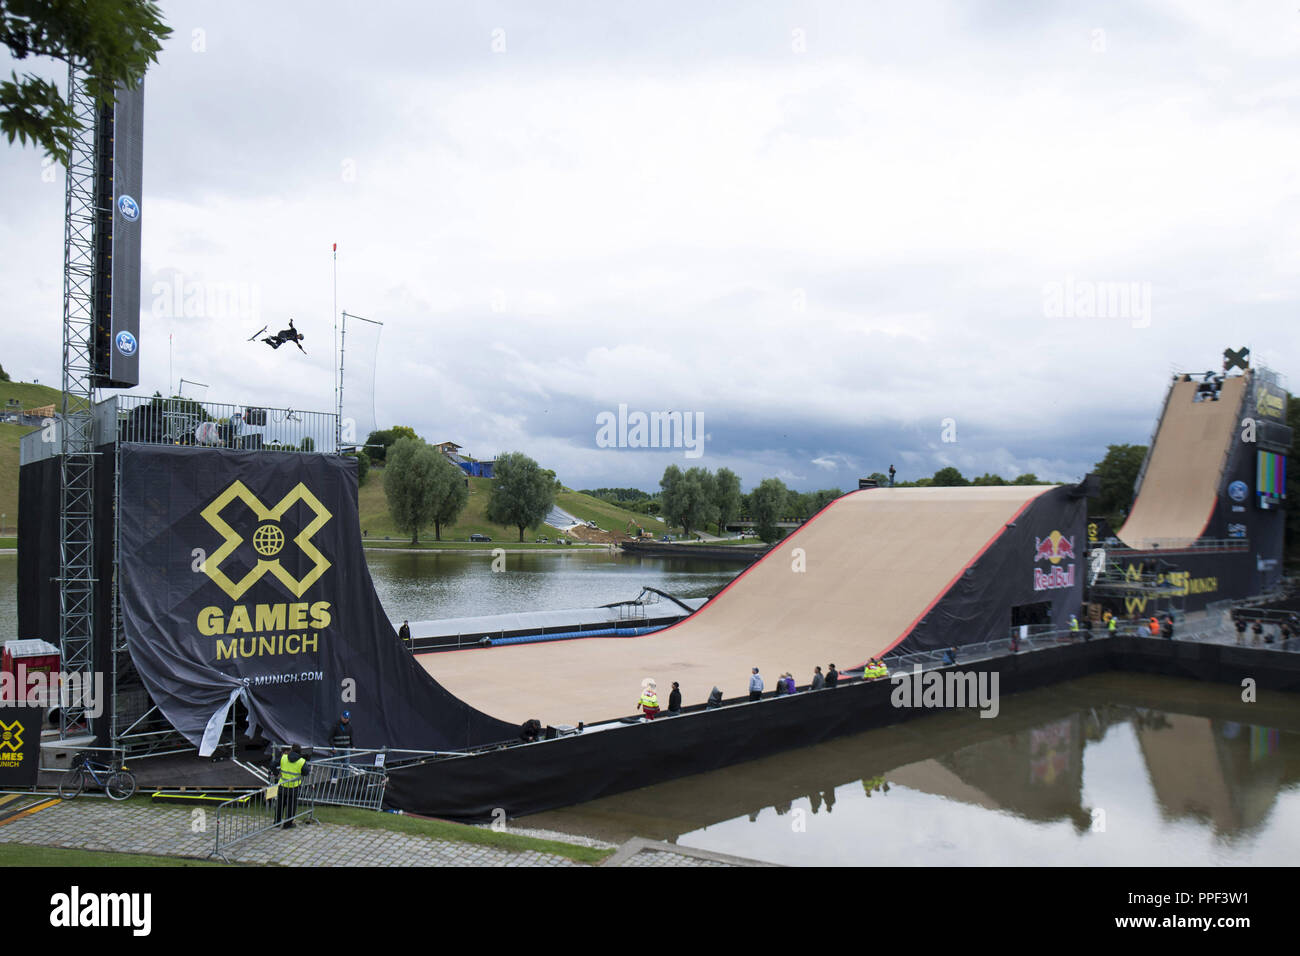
(756, 685)
(1167, 629)
(818, 681)
(1240, 625)
(832, 676)
(404, 632)
(1257, 631)
(675, 699)
(715, 699)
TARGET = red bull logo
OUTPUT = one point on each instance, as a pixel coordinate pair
(1054, 549)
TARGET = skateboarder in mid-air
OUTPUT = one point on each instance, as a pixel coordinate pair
(284, 335)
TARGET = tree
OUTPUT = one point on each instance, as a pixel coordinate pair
(987, 479)
(522, 492)
(379, 442)
(4, 376)
(797, 505)
(1029, 478)
(767, 504)
(688, 497)
(820, 499)
(948, 477)
(410, 481)
(450, 494)
(308, 443)
(114, 43)
(1117, 473)
(726, 496)
(879, 478)
(363, 466)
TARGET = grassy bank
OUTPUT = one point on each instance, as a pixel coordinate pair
(458, 832)
(20, 854)
(376, 522)
(431, 545)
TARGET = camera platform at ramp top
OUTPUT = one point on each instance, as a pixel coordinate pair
(871, 569)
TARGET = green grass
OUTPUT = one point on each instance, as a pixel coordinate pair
(459, 832)
(606, 515)
(20, 854)
(9, 436)
(28, 395)
(373, 507)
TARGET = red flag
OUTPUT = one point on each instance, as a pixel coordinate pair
(336, 247)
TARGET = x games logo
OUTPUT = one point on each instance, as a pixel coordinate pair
(268, 540)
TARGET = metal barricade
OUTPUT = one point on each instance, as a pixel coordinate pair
(251, 814)
(354, 778)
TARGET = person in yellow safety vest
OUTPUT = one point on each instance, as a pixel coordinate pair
(1074, 625)
(286, 801)
(649, 702)
(1112, 623)
(881, 669)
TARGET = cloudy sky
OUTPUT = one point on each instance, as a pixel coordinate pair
(830, 229)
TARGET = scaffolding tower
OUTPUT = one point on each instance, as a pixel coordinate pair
(76, 428)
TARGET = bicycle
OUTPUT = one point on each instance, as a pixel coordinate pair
(118, 782)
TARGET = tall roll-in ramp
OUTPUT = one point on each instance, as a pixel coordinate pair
(1185, 466)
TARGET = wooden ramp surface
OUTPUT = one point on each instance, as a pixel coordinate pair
(1181, 484)
(875, 562)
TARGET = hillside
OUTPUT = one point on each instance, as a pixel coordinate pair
(373, 507)
(607, 516)
(29, 395)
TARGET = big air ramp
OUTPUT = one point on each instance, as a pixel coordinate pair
(932, 565)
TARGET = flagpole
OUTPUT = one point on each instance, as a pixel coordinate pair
(338, 407)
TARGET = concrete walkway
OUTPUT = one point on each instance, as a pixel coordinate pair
(98, 824)
(91, 823)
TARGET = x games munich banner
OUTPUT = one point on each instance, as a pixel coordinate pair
(242, 575)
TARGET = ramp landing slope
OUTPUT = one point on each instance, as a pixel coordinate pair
(1185, 467)
(849, 584)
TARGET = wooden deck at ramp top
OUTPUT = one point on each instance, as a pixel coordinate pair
(1181, 484)
(876, 561)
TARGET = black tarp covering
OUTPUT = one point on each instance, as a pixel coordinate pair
(1038, 558)
(246, 570)
(39, 507)
(554, 773)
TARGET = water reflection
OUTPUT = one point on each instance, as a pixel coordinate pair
(431, 586)
(1115, 769)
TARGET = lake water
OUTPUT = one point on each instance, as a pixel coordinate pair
(1112, 770)
(427, 586)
